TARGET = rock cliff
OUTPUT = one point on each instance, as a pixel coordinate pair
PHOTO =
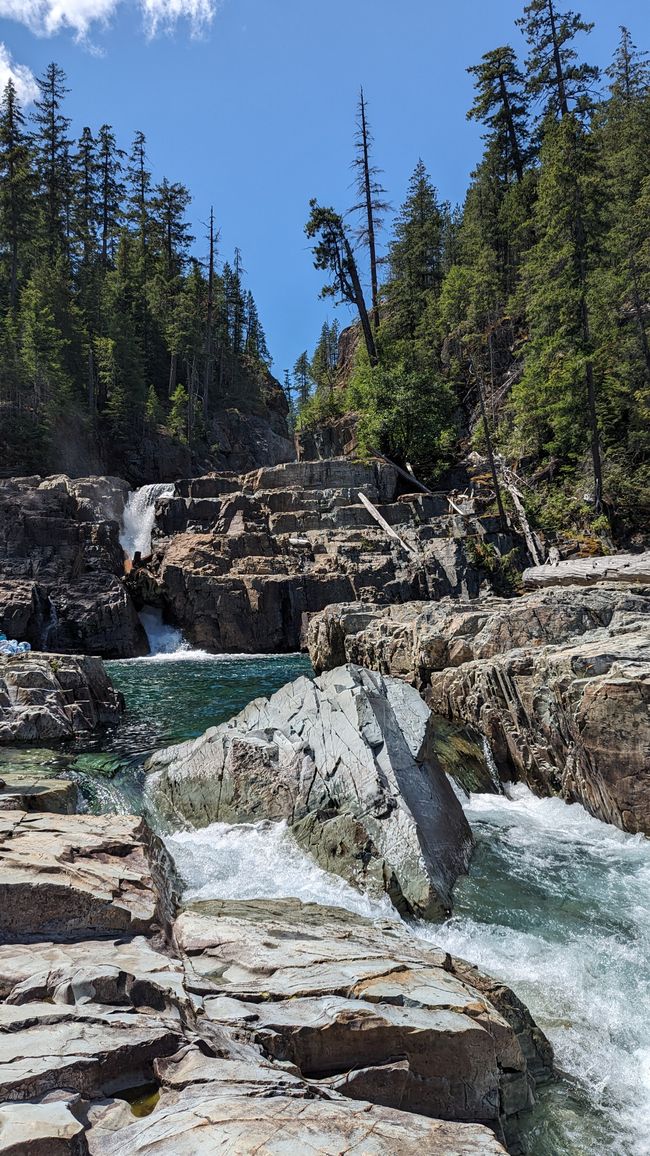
(241, 562)
(557, 681)
(61, 564)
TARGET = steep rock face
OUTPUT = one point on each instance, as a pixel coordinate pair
(60, 566)
(241, 562)
(557, 681)
(348, 762)
(54, 697)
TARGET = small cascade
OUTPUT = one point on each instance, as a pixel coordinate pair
(139, 516)
(163, 638)
(49, 629)
(492, 767)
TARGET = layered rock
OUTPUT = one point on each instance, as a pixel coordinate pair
(241, 562)
(54, 696)
(558, 682)
(255, 1024)
(61, 564)
(348, 762)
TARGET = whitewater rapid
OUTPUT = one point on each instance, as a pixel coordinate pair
(557, 905)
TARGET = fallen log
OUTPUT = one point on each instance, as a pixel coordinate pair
(630, 568)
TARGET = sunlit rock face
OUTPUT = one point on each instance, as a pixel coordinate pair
(348, 762)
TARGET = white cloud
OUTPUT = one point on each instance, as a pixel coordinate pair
(47, 17)
(22, 76)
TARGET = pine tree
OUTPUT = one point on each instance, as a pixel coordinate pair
(17, 185)
(372, 204)
(53, 158)
(501, 105)
(333, 253)
(302, 379)
(556, 402)
(415, 254)
(111, 191)
(324, 362)
(555, 76)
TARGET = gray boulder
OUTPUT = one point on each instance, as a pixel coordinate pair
(54, 696)
(348, 762)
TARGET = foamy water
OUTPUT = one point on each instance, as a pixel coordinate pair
(139, 516)
(557, 905)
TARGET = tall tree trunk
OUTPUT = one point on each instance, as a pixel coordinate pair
(173, 358)
(370, 215)
(488, 442)
(557, 59)
(360, 303)
(512, 133)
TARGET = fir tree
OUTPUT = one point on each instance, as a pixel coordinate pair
(555, 77)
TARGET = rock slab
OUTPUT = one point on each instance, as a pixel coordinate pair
(347, 761)
(54, 696)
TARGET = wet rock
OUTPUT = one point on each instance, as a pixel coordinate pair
(348, 762)
(558, 682)
(49, 696)
(66, 877)
(364, 1007)
(23, 793)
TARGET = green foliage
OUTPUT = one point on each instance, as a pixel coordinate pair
(103, 314)
(177, 420)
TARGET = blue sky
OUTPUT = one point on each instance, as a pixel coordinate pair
(251, 103)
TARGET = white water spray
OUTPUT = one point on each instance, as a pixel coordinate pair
(139, 516)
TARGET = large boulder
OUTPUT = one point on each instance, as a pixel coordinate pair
(54, 696)
(348, 762)
(558, 682)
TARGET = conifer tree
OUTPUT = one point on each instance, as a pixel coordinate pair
(556, 78)
(17, 185)
(325, 357)
(53, 157)
(333, 253)
(415, 254)
(371, 204)
(501, 105)
(302, 379)
(111, 191)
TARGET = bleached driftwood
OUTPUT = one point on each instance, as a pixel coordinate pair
(384, 524)
(629, 568)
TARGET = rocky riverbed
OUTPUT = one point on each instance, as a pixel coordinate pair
(117, 1003)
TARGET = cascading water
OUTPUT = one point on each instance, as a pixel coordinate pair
(139, 516)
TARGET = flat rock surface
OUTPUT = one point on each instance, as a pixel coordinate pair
(340, 998)
(75, 876)
(348, 762)
(23, 793)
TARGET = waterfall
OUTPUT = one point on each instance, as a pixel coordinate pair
(163, 638)
(139, 516)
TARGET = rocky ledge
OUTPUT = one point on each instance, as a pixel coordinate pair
(558, 682)
(348, 761)
(239, 562)
(54, 696)
(128, 1026)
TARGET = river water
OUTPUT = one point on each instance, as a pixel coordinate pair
(556, 904)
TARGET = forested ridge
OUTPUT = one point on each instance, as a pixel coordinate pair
(522, 316)
(110, 327)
